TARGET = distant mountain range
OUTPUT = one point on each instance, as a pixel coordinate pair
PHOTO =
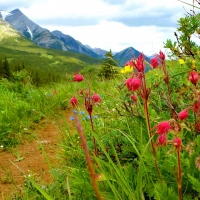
(19, 49)
(58, 40)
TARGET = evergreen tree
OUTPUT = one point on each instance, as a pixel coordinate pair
(108, 67)
(2, 70)
(7, 69)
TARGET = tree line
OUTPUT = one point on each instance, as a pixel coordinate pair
(38, 77)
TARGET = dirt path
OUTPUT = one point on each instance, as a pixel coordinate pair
(30, 160)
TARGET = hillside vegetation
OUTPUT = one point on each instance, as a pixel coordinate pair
(17, 48)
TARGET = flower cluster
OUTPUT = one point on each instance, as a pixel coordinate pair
(163, 128)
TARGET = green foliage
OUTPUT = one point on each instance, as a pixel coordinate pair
(188, 27)
(130, 154)
(108, 67)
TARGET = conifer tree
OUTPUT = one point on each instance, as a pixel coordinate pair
(108, 68)
(2, 70)
(7, 69)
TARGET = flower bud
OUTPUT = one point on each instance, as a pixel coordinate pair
(133, 97)
(163, 127)
(74, 101)
(161, 55)
(162, 140)
(133, 84)
(154, 63)
(177, 143)
(96, 98)
(194, 77)
(183, 114)
(78, 77)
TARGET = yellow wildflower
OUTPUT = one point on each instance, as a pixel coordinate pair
(181, 61)
(123, 71)
(128, 68)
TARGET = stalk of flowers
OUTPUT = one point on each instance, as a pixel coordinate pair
(93, 176)
(89, 101)
(160, 58)
(194, 78)
(137, 82)
(163, 129)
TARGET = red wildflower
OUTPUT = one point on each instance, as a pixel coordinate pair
(194, 77)
(163, 127)
(133, 97)
(196, 105)
(161, 55)
(133, 84)
(177, 142)
(96, 98)
(74, 101)
(78, 77)
(183, 114)
(139, 64)
(162, 140)
(154, 62)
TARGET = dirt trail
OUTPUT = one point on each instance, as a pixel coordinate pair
(31, 160)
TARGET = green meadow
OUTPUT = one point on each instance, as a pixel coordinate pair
(122, 134)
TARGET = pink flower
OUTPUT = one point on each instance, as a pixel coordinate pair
(183, 114)
(177, 143)
(74, 101)
(133, 84)
(78, 77)
(196, 105)
(154, 63)
(133, 97)
(163, 127)
(194, 77)
(139, 64)
(96, 98)
(161, 55)
(162, 140)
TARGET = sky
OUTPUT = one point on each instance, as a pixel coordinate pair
(107, 24)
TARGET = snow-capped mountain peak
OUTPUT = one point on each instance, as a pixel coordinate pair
(4, 14)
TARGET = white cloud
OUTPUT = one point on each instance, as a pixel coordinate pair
(113, 24)
(116, 36)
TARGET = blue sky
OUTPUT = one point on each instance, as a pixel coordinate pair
(107, 24)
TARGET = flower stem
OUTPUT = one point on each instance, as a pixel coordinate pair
(179, 180)
(94, 140)
(150, 136)
(173, 113)
(92, 173)
(145, 103)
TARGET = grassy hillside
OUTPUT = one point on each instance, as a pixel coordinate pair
(18, 48)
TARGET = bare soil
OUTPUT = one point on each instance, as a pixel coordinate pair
(30, 159)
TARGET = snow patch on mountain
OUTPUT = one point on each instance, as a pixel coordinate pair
(29, 30)
(5, 14)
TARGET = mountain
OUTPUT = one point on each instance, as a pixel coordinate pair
(42, 36)
(20, 49)
(32, 31)
(74, 45)
(98, 51)
(58, 40)
(125, 55)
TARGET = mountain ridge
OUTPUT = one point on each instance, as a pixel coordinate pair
(58, 40)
